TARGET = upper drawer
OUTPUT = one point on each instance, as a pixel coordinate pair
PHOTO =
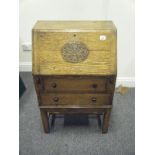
(74, 84)
(54, 41)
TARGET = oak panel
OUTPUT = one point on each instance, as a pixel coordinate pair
(75, 99)
(54, 41)
(53, 84)
(47, 58)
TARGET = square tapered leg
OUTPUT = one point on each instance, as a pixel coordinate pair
(45, 120)
(106, 119)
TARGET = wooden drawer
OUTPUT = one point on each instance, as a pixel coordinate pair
(74, 84)
(75, 99)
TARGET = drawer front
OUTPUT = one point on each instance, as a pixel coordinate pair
(75, 99)
(75, 84)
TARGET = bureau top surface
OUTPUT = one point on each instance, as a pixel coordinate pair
(73, 25)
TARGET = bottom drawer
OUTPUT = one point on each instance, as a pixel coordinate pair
(75, 99)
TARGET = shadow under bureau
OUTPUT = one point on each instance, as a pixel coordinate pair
(74, 68)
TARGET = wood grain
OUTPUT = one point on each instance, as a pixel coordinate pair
(106, 119)
(54, 84)
(83, 87)
(45, 120)
(55, 41)
(76, 109)
(73, 26)
(75, 99)
(47, 58)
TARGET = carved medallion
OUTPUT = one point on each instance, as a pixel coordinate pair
(74, 52)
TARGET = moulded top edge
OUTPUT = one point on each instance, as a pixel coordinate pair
(71, 30)
(73, 26)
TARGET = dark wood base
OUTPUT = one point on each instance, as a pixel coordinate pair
(45, 116)
(106, 118)
(45, 120)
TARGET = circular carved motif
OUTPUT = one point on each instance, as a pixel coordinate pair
(74, 52)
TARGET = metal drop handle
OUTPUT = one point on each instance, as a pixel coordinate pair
(56, 99)
(94, 85)
(94, 99)
(54, 85)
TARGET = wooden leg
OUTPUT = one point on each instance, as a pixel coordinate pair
(99, 120)
(45, 120)
(53, 119)
(106, 119)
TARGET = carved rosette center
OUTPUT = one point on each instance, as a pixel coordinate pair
(74, 52)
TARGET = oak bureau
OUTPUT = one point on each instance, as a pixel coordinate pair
(74, 68)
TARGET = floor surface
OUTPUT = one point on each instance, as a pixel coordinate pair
(76, 135)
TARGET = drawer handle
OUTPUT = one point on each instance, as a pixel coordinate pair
(94, 86)
(94, 99)
(54, 85)
(56, 99)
